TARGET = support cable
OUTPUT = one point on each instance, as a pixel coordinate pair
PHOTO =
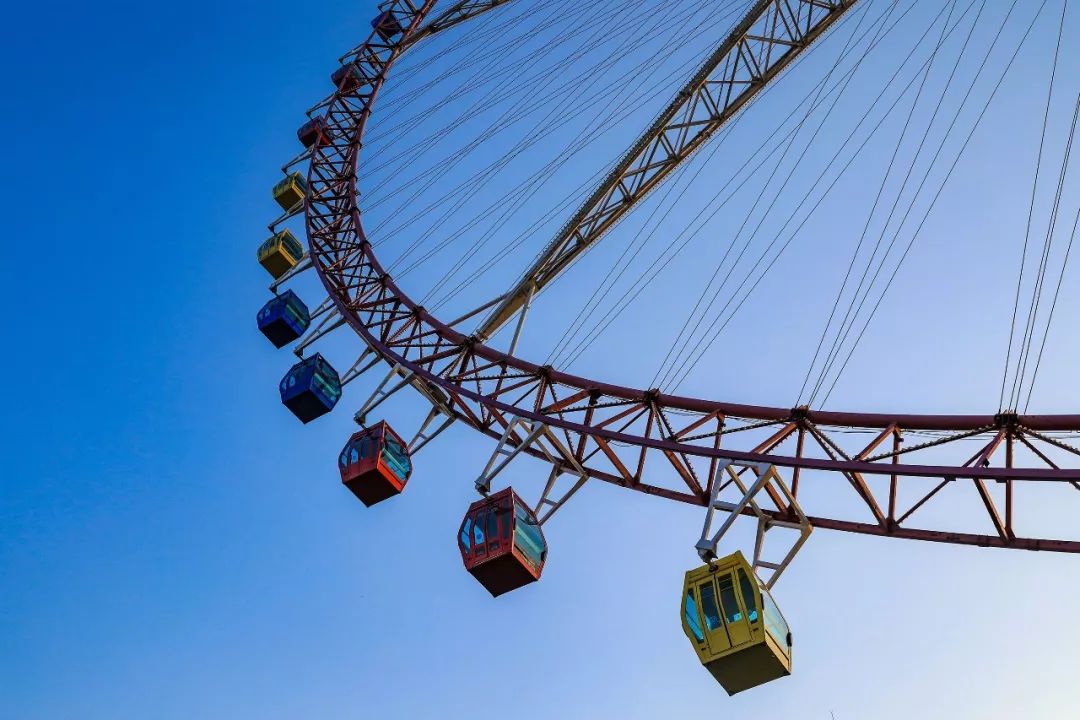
(1031, 208)
(938, 194)
(877, 200)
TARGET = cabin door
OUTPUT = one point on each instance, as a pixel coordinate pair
(715, 632)
(735, 615)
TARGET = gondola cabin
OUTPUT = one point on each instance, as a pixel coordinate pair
(386, 25)
(734, 625)
(290, 191)
(280, 253)
(284, 319)
(347, 77)
(375, 464)
(312, 130)
(502, 543)
(311, 388)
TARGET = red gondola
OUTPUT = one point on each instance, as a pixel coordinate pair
(310, 131)
(386, 25)
(347, 77)
(375, 464)
(502, 543)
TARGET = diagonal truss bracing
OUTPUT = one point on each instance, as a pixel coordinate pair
(767, 40)
(877, 472)
(456, 14)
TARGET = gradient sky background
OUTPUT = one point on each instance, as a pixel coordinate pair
(173, 544)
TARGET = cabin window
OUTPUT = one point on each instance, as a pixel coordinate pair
(774, 621)
(727, 599)
(292, 245)
(708, 604)
(748, 596)
(493, 529)
(527, 535)
(296, 308)
(331, 390)
(478, 535)
(690, 612)
(395, 457)
(505, 521)
(296, 316)
(466, 534)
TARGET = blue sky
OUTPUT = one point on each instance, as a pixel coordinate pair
(174, 544)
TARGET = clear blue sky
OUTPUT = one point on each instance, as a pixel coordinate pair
(173, 544)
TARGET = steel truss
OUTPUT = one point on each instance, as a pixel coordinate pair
(635, 438)
(769, 482)
(768, 39)
(537, 439)
(456, 14)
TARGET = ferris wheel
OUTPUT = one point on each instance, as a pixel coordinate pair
(731, 459)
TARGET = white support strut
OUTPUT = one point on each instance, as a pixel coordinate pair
(560, 458)
(767, 477)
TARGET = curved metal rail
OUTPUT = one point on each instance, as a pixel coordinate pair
(624, 435)
(456, 14)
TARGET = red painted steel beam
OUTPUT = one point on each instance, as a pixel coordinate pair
(361, 288)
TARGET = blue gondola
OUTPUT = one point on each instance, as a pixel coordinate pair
(311, 388)
(284, 319)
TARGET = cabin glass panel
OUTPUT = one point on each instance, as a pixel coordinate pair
(479, 536)
(292, 245)
(732, 611)
(325, 381)
(693, 618)
(749, 597)
(527, 536)
(396, 458)
(493, 523)
(708, 606)
(466, 534)
(775, 624)
(268, 247)
(296, 310)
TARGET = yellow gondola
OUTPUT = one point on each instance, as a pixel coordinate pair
(280, 253)
(734, 625)
(290, 191)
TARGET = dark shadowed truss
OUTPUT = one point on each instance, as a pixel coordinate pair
(889, 466)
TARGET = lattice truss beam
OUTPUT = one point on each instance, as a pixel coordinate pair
(918, 477)
(768, 39)
(456, 14)
(765, 481)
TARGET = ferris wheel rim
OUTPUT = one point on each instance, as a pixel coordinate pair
(883, 422)
(851, 419)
